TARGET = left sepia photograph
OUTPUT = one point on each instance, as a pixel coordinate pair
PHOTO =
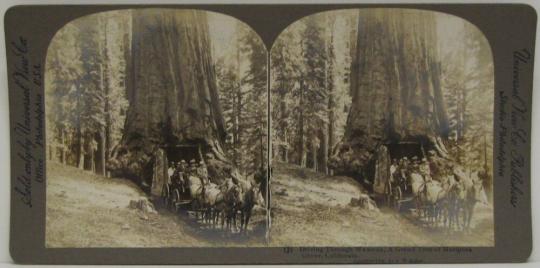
(157, 131)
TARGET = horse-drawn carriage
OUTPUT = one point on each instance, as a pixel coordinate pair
(175, 196)
(171, 193)
(432, 189)
(390, 180)
(225, 195)
(397, 191)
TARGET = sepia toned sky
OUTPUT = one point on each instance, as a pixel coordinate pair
(223, 33)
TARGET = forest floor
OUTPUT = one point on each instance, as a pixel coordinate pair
(87, 210)
(312, 209)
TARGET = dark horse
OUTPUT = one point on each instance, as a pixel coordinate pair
(245, 206)
(262, 180)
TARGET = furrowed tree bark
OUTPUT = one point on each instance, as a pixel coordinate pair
(236, 107)
(172, 92)
(328, 128)
(395, 84)
(107, 132)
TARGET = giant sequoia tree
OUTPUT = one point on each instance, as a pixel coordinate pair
(395, 84)
(128, 90)
(171, 89)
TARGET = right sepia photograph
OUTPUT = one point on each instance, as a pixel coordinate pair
(381, 131)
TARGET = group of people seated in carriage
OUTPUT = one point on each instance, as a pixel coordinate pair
(442, 189)
(179, 172)
(213, 193)
(429, 168)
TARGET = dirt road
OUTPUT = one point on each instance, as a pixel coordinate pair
(311, 209)
(86, 210)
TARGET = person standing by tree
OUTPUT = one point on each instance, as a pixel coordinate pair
(436, 166)
(192, 168)
(393, 170)
(170, 172)
(404, 171)
(181, 174)
(202, 172)
(424, 169)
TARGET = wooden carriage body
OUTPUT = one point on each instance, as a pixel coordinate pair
(382, 160)
(393, 194)
(164, 156)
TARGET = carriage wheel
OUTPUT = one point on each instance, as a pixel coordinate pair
(397, 195)
(165, 195)
(175, 199)
(388, 194)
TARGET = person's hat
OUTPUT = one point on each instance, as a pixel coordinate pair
(201, 163)
(183, 161)
(192, 161)
(415, 157)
